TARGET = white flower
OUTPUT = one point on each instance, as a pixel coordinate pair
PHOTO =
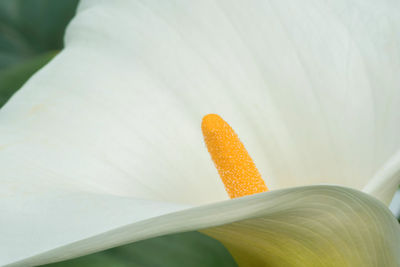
(103, 146)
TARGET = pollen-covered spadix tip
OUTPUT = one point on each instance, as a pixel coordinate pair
(235, 166)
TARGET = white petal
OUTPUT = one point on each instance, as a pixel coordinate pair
(385, 182)
(326, 227)
(311, 87)
(306, 226)
(395, 205)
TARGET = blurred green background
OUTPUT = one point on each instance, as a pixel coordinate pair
(31, 33)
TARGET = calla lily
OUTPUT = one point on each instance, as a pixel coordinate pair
(103, 146)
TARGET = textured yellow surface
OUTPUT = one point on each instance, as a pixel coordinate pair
(235, 166)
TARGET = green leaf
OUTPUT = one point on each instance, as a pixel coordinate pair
(186, 249)
(32, 27)
(11, 79)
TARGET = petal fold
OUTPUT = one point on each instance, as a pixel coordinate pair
(306, 226)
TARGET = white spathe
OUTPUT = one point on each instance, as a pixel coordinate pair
(304, 226)
(311, 87)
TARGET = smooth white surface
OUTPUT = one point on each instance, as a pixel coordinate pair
(312, 88)
(395, 205)
(325, 225)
